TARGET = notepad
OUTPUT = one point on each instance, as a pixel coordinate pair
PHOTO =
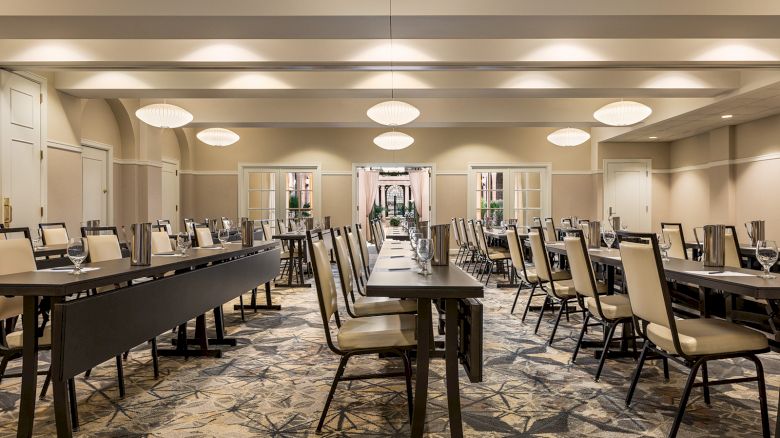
(719, 273)
(399, 269)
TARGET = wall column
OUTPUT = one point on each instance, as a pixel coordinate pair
(722, 176)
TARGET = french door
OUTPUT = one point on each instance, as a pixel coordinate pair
(270, 193)
(511, 192)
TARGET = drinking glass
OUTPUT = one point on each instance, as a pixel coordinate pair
(609, 237)
(77, 252)
(183, 242)
(664, 244)
(413, 240)
(766, 253)
(36, 241)
(223, 236)
(424, 254)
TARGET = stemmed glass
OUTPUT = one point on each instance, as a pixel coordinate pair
(36, 241)
(609, 237)
(183, 242)
(766, 253)
(424, 254)
(77, 253)
(223, 236)
(413, 240)
(664, 244)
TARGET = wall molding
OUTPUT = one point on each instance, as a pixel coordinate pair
(452, 172)
(209, 172)
(577, 172)
(63, 146)
(711, 164)
(336, 173)
(127, 162)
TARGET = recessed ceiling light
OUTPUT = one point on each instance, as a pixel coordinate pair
(727, 116)
(653, 138)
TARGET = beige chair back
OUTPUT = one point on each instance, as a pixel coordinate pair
(470, 233)
(363, 244)
(539, 255)
(327, 284)
(354, 247)
(16, 255)
(462, 231)
(674, 236)
(203, 235)
(515, 251)
(455, 231)
(55, 236)
(161, 242)
(732, 251)
(345, 268)
(103, 247)
(266, 231)
(643, 281)
(579, 264)
(549, 231)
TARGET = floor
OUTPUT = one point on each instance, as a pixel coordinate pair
(275, 381)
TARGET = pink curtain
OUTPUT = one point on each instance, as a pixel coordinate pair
(419, 182)
(368, 182)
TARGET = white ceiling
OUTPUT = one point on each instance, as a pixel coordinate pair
(462, 62)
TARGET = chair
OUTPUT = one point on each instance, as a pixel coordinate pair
(202, 236)
(689, 342)
(166, 224)
(161, 242)
(493, 255)
(98, 231)
(456, 236)
(368, 336)
(379, 238)
(609, 311)
(362, 306)
(53, 233)
(188, 223)
(473, 246)
(358, 270)
(733, 253)
(468, 244)
(674, 234)
(560, 287)
(361, 235)
(550, 232)
(566, 222)
(517, 255)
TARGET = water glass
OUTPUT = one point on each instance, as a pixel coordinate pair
(424, 254)
(414, 238)
(223, 236)
(36, 241)
(766, 254)
(609, 237)
(78, 250)
(664, 244)
(183, 242)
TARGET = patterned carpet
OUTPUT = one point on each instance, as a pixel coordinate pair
(275, 381)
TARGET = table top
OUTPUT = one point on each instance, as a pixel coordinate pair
(47, 283)
(687, 271)
(391, 232)
(396, 275)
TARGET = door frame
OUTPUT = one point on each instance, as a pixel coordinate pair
(648, 162)
(473, 168)
(44, 140)
(174, 162)
(432, 196)
(316, 168)
(85, 142)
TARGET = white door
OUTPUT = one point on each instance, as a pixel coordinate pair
(627, 193)
(94, 180)
(20, 113)
(170, 193)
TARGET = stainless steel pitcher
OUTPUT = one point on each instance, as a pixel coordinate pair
(714, 251)
(247, 232)
(141, 244)
(756, 230)
(440, 239)
(594, 234)
(615, 222)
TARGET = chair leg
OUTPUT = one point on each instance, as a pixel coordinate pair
(566, 305)
(684, 399)
(45, 387)
(666, 369)
(541, 312)
(489, 271)
(761, 395)
(517, 295)
(408, 375)
(637, 371)
(74, 409)
(120, 376)
(3, 365)
(705, 383)
(579, 340)
(605, 350)
(528, 304)
(557, 321)
(241, 304)
(155, 359)
(336, 378)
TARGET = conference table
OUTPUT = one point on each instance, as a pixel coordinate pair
(89, 330)
(729, 281)
(396, 233)
(396, 275)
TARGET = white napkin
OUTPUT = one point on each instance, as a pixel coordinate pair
(66, 271)
(720, 274)
(168, 255)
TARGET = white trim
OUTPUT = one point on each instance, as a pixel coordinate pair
(62, 146)
(151, 163)
(243, 208)
(109, 176)
(209, 172)
(508, 168)
(336, 173)
(576, 172)
(452, 172)
(432, 187)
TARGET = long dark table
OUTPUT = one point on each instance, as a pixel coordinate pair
(90, 330)
(398, 277)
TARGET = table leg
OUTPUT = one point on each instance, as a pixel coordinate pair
(423, 358)
(269, 305)
(201, 339)
(29, 367)
(611, 280)
(451, 359)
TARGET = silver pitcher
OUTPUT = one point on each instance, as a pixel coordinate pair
(141, 244)
(615, 222)
(594, 234)
(714, 251)
(756, 230)
(247, 232)
(440, 240)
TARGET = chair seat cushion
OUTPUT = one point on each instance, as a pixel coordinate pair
(707, 336)
(16, 340)
(612, 306)
(377, 332)
(563, 289)
(561, 275)
(498, 254)
(367, 306)
(530, 275)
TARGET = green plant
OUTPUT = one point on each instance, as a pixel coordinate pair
(293, 202)
(394, 222)
(376, 211)
(306, 213)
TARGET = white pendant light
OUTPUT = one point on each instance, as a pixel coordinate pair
(623, 113)
(164, 115)
(393, 113)
(393, 140)
(568, 137)
(218, 137)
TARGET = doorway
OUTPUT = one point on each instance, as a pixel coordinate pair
(627, 193)
(170, 193)
(95, 184)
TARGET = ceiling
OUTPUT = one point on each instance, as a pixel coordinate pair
(463, 63)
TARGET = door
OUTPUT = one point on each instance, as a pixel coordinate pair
(21, 150)
(627, 193)
(170, 193)
(94, 184)
(268, 193)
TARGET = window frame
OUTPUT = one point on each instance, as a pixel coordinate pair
(509, 188)
(281, 189)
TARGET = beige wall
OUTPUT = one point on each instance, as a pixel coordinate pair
(64, 189)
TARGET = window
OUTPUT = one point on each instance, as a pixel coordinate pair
(526, 189)
(300, 194)
(262, 196)
(279, 193)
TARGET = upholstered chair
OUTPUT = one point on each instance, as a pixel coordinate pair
(361, 235)
(54, 233)
(161, 242)
(493, 255)
(674, 234)
(527, 275)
